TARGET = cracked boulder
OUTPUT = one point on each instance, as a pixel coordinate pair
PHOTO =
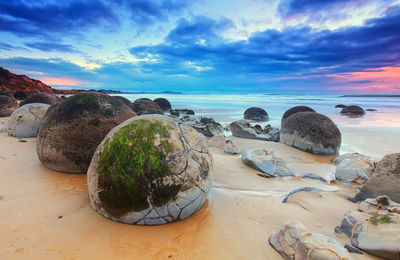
(73, 128)
(150, 170)
(26, 120)
(311, 132)
(294, 241)
(8, 105)
(353, 167)
(266, 162)
(44, 98)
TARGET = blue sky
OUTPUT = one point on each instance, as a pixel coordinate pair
(269, 46)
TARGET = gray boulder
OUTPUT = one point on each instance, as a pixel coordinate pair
(256, 114)
(266, 162)
(353, 111)
(295, 110)
(207, 126)
(145, 106)
(230, 147)
(243, 129)
(354, 167)
(26, 120)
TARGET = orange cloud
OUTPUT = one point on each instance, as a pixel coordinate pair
(61, 81)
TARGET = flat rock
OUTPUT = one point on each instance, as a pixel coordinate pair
(354, 167)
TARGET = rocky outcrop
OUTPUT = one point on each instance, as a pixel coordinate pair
(207, 126)
(13, 83)
(7, 105)
(311, 132)
(73, 128)
(230, 147)
(353, 111)
(353, 167)
(385, 179)
(163, 103)
(266, 162)
(145, 106)
(43, 98)
(256, 114)
(295, 110)
(294, 241)
(160, 173)
(243, 129)
(26, 120)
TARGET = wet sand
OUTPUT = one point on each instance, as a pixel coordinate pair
(47, 215)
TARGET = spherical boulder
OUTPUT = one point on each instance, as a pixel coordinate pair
(145, 107)
(20, 95)
(5, 93)
(353, 111)
(44, 98)
(150, 170)
(7, 105)
(256, 114)
(163, 103)
(123, 99)
(340, 106)
(295, 110)
(26, 120)
(311, 132)
(73, 128)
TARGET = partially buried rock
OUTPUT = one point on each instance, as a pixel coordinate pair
(72, 129)
(256, 114)
(385, 179)
(163, 103)
(311, 132)
(150, 170)
(294, 241)
(230, 147)
(243, 129)
(354, 167)
(295, 110)
(353, 111)
(44, 98)
(266, 162)
(7, 105)
(207, 126)
(26, 120)
(145, 106)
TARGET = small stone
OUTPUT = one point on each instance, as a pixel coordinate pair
(60, 216)
(22, 141)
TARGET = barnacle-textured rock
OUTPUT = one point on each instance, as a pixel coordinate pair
(150, 170)
(26, 120)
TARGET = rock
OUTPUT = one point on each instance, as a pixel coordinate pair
(207, 126)
(314, 177)
(231, 148)
(375, 232)
(7, 105)
(256, 114)
(340, 106)
(26, 120)
(353, 111)
(353, 250)
(294, 241)
(295, 110)
(382, 203)
(266, 162)
(311, 132)
(160, 173)
(354, 167)
(20, 95)
(5, 93)
(371, 110)
(217, 141)
(124, 100)
(73, 128)
(163, 103)
(43, 98)
(243, 129)
(385, 179)
(145, 107)
(181, 112)
(143, 99)
(301, 189)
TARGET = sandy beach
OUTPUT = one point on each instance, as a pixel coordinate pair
(47, 215)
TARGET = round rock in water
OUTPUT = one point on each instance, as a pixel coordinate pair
(256, 114)
(295, 110)
(73, 128)
(44, 98)
(163, 104)
(150, 170)
(7, 105)
(311, 132)
(353, 111)
(26, 120)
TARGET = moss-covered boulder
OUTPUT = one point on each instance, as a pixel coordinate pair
(8, 105)
(150, 170)
(145, 106)
(73, 128)
(44, 98)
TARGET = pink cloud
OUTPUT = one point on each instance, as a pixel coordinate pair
(63, 81)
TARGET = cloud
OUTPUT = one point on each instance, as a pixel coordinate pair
(50, 46)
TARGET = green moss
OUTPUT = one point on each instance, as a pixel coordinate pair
(83, 99)
(109, 112)
(129, 164)
(376, 219)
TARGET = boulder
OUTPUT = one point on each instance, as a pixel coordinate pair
(26, 120)
(73, 128)
(354, 167)
(7, 105)
(124, 100)
(163, 103)
(181, 112)
(5, 93)
(340, 106)
(256, 114)
(243, 129)
(230, 147)
(150, 170)
(385, 179)
(145, 106)
(207, 126)
(217, 141)
(353, 111)
(294, 241)
(295, 110)
(266, 162)
(20, 95)
(311, 132)
(371, 110)
(44, 98)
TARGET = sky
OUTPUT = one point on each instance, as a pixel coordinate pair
(206, 46)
